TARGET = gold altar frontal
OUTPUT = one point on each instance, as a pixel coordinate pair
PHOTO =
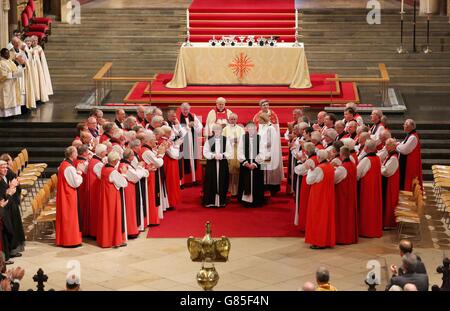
(202, 64)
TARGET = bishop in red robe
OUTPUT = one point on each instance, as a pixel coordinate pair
(68, 231)
(390, 183)
(111, 217)
(81, 164)
(410, 157)
(346, 199)
(321, 217)
(370, 197)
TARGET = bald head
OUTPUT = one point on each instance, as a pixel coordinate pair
(308, 287)
(405, 247)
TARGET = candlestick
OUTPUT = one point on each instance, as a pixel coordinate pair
(296, 19)
(402, 6)
(187, 19)
(428, 7)
(414, 26)
(428, 50)
(401, 49)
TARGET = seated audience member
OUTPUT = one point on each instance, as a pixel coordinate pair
(406, 247)
(73, 284)
(409, 264)
(323, 280)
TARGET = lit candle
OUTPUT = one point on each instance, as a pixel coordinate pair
(187, 19)
(401, 10)
(428, 7)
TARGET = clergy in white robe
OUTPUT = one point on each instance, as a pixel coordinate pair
(251, 178)
(30, 99)
(233, 132)
(218, 115)
(43, 61)
(271, 147)
(377, 128)
(43, 88)
(189, 150)
(9, 86)
(217, 150)
(33, 68)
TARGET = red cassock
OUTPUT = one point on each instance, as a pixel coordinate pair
(83, 199)
(93, 185)
(347, 206)
(413, 166)
(391, 189)
(304, 196)
(67, 226)
(171, 169)
(109, 231)
(321, 218)
(152, 212)
(130, 205)
(104, 138)
(370, 200)
(354, 156)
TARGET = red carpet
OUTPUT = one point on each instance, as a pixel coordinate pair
(242, 17)
(249, 96)
(273, 220)
(242, 6)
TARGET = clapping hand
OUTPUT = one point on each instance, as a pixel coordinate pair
(191, 124)
(11, 191)
(13, 183)
(16, 273)
(3, 203)
(124, 169)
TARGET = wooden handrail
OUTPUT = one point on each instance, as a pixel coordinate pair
(101, 73)
(384, 77)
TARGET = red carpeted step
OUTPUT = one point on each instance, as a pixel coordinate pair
(206, 38)
(275, 219)
(240, 16)
(242, 24)
(243, 31)
(320, 87)
(233, 6)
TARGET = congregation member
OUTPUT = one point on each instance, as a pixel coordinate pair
(92, 126)
(406, 247)
(410, 275)
(320, 123)
(290, 136)
(351, 128)
(295, 155)
(370, 193)
(346, 191)
(219, 115)
(12, 235)
(251, 178)
(217, 151)
(339, 126)
(354, 113)
(390, 183)
(189, 153)
(68, 230)
(111, 215)
(321, 215)
(233, 132)
(161, 194)
(410, 157)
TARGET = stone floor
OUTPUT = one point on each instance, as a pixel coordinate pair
(254, 263)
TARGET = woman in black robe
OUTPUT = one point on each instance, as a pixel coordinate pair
(217, 150)
(251, 177)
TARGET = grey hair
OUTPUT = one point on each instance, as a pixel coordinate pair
(309, 148)
(69, 151)
(316, 136)
(378, 112)
(322, 155)
(185, 105)
(157, 119)
(411, 122)
(113, 156)
(331, 133)
(128, 122)
(371, 145)
(134, 143)
(349, 143)
(100, 148)
(409, 261)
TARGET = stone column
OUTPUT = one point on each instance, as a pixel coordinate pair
(4, 26)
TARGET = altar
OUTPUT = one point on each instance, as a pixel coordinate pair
(202, 64)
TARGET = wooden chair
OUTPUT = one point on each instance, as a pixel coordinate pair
(32, 165)
(409, 213)
(40, 216)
